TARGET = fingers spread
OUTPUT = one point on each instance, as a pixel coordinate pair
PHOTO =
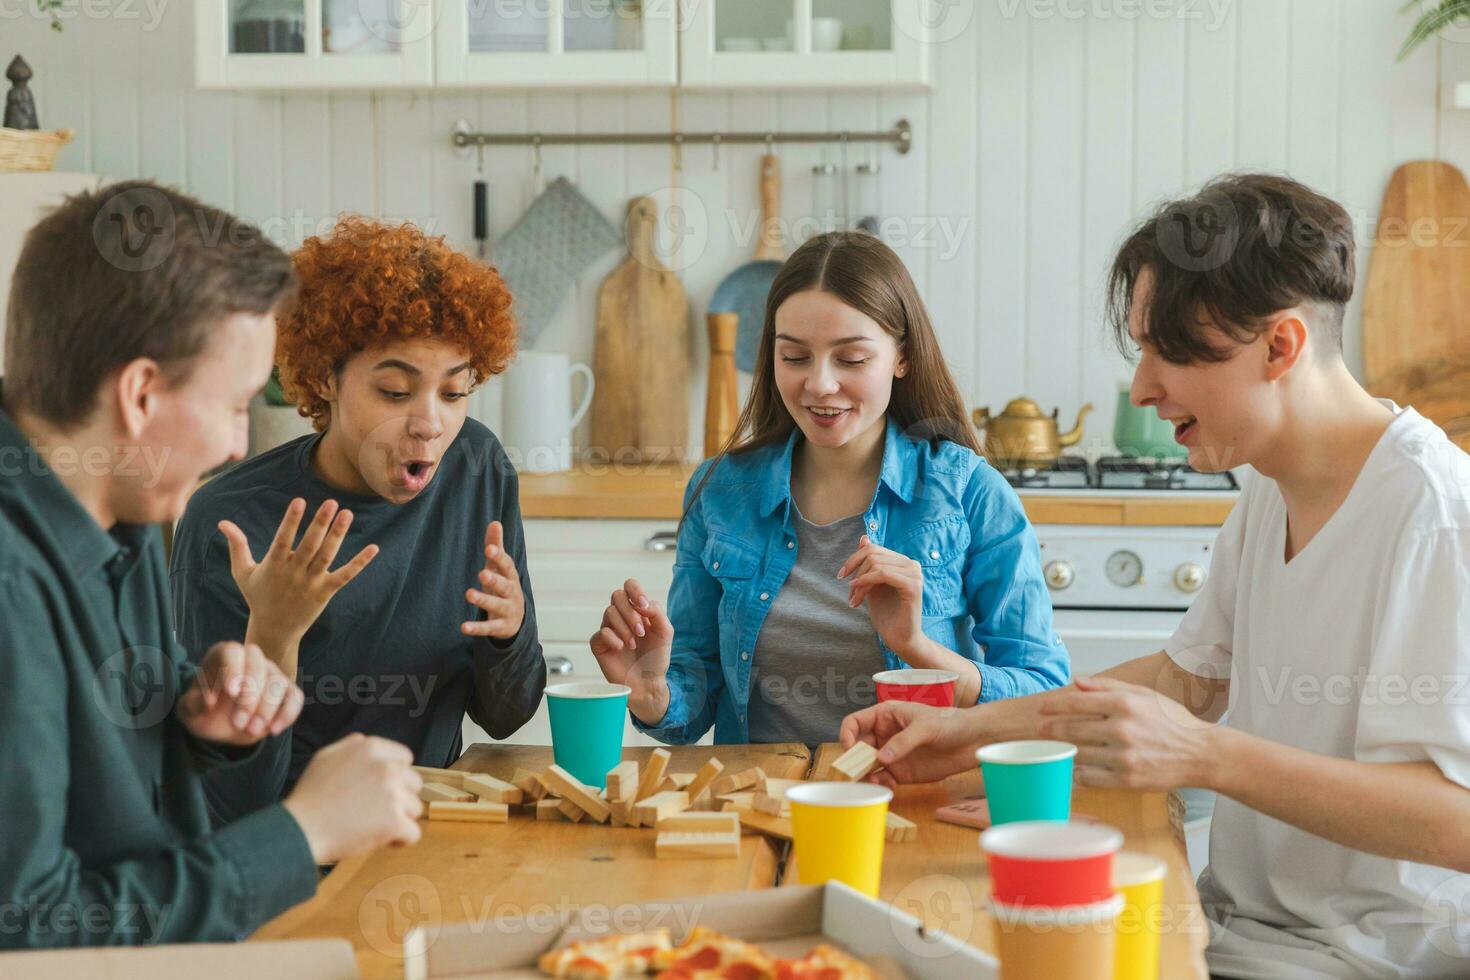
(240, 558)
(286, 533)
(316, 531)
(352, 569)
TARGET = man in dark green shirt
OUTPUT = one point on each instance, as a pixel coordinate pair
(141, 323)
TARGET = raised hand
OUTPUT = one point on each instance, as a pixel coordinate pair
(239, 696)
(499, 594)
(632, 647)
(892, 584)
(288, 588)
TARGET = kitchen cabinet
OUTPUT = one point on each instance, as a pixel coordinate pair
(314, 44)
(565, 44)
(805, 43)
(575, 565)
(715, 44)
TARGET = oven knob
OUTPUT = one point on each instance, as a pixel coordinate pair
(1189, 576)
(1059, 574)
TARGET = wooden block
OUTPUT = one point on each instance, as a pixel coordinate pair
(681, 779)
(449, 777)
(530, 785)
(703, 779)
(745, 799)
(469, 812)
(622, 813)
(659, 806)
(444, 793)
(854, 764)
(652, 776)
(697, 845)
(669, 785)
(765, 823)
(736, 782)
(778, 787)
(774, 806)
(700, 823)
(571, 811)
(622, 782)
(490, 789)
(899, 830)
(549, 809)
(565, 785)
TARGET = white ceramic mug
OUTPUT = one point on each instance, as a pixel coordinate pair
(537, 418)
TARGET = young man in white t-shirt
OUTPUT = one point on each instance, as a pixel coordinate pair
(1335, 624)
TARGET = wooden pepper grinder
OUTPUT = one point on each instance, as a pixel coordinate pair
(721, 403)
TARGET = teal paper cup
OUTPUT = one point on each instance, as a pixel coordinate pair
(587, 728)
(1029, 780)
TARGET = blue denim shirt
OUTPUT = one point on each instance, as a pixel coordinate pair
(945, 507)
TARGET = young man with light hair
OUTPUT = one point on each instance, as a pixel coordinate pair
(141, 322)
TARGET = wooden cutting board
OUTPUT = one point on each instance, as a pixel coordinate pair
(1416, 307)
(640, 410)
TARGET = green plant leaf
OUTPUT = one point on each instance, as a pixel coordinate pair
(1432, 22)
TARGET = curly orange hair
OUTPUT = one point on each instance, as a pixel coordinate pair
(369, 284)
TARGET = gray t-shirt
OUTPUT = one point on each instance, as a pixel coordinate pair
(815, 656)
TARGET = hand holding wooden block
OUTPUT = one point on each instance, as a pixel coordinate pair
(854, 764)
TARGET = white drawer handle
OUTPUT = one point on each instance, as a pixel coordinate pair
(558, 665)
(663, 541)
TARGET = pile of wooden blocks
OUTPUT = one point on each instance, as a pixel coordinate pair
(699, 814)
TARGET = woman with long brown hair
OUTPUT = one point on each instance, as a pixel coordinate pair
(849, 527)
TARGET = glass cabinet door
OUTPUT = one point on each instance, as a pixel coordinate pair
(314, 44)
(557, 43)
(807, 43)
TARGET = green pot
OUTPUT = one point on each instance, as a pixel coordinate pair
(1140, 432)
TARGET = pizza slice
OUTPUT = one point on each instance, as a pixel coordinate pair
(609, 958)
(708, 955)
(825, 963)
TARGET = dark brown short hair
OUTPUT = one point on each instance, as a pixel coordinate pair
(126, 271)
(1244, 248)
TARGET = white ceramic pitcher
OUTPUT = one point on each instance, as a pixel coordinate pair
(537, 417)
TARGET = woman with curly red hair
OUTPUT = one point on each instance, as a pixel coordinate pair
(432, 618)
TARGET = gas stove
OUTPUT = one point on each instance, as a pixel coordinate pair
(1127, 474)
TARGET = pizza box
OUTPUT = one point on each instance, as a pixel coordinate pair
(786, 921)
(306, 959)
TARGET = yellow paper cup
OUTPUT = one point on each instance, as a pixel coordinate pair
(839, 832)
(1139, 879)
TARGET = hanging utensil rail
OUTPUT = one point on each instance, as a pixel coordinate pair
(465, 137)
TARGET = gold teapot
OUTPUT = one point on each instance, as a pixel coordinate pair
(1022, 436)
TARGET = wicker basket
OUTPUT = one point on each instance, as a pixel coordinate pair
(30, 149)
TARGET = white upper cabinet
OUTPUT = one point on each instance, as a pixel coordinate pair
(805, 44)
(557, 43)
(306, 44)
(702, 44)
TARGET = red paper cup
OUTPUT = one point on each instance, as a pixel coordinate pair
(1049, 864)
(935, 687)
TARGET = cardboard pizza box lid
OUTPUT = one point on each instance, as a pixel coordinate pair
(785, 921)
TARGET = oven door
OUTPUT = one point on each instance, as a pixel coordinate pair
(1099, 639)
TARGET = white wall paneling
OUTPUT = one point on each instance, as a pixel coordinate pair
(1043, 137)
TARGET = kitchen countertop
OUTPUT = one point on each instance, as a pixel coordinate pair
(461, 871)
(656, 492)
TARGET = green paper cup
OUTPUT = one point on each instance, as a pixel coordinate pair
(587, 728)
(1029, 780)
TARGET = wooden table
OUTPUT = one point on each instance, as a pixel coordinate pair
(476, 872)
